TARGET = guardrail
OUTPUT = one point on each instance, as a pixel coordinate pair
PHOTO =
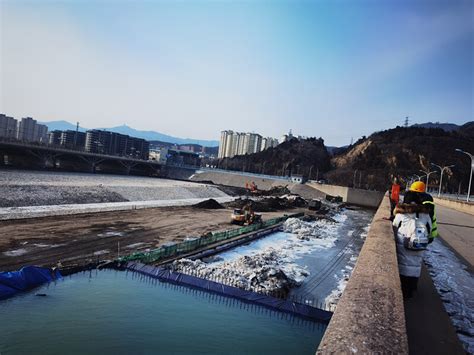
(458, 205)
(168, 251)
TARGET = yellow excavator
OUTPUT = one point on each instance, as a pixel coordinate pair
(245, 216)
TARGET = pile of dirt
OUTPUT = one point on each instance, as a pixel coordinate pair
(210, 204)
(269, 204)
(232, 190)
(275, 191)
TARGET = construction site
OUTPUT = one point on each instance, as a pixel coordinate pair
(245, 240)
(214, 249)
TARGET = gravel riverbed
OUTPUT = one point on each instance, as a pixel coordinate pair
(37, 188)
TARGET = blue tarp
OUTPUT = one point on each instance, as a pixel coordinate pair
(248, 296)
(28, 277)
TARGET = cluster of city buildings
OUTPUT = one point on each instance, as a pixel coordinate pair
(93, 141)
(26, 129)
(102, 142)
(238, 143)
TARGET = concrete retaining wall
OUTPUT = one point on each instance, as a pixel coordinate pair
(461, 206)
(359, 197)
(238, 179)
(370, 317)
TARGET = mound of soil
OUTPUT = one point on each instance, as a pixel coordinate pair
(275, 191)
(210, 204)
(269, 204)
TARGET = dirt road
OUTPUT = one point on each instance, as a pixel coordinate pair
(80, 238)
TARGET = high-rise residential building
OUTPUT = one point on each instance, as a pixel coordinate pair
(8, 126)
(54, 137)
(72, 139)
(104, 142)
(98, 141)
(29, 130)
(229, 144)
(237, 143)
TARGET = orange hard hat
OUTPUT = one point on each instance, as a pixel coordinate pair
(418, 186)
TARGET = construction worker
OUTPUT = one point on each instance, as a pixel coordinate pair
(414, 226)
(394, 196)
(417, 195)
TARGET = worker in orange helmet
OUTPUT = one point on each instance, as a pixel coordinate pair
(421, 203)
(417, 194)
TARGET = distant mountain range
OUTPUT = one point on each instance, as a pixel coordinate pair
(124, 129)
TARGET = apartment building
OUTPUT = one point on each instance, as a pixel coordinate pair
(8, 126)
(30, 131)
(238, 143)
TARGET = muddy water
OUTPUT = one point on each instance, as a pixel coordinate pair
(109, 312)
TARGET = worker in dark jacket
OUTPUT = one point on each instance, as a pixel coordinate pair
(418, 195)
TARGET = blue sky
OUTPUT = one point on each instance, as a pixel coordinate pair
(336, 69)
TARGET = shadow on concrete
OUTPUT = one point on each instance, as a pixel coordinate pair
(429, 327)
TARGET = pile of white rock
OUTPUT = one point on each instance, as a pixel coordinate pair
(260, 273)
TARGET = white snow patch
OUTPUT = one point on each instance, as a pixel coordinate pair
(268, 264)
(135, 245)
(111, 234)
(455, 285)
(101, 252)
(16, 252)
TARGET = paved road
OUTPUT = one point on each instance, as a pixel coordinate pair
(429, 329)
(457, 230)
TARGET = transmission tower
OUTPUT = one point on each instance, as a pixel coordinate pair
(407, 121)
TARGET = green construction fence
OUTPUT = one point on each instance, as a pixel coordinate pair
(168, 251)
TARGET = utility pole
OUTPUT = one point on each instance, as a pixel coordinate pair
(428, 173)
(472, 168)
(75, 136)
(441, 178)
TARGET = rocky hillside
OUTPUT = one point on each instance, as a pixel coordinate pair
(308, 157)
(403, 152)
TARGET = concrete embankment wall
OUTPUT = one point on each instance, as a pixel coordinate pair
(350, 195)
(238, 179)
(370, 317)
(359, 197)
(178, 173)
(461, 206)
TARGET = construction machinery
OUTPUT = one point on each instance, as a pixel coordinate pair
(245, 216)
(252, 187)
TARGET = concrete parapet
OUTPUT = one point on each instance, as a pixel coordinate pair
(370, 317)
(350, 195)
(461, 206)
